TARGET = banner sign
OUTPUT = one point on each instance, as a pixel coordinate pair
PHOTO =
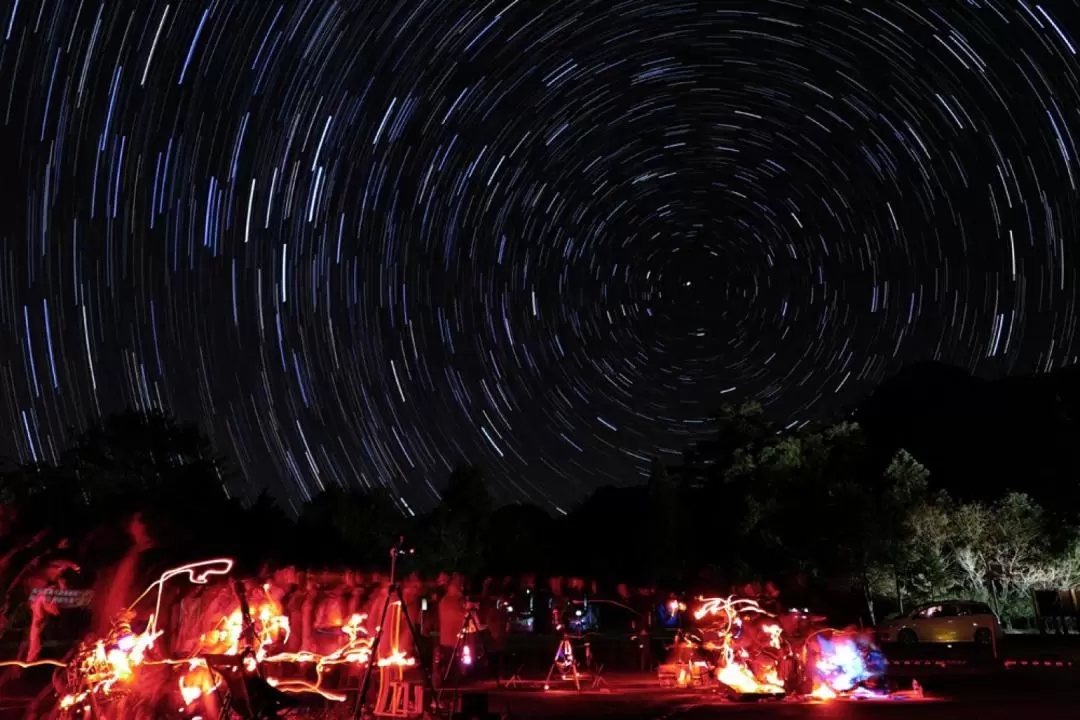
(63, 598)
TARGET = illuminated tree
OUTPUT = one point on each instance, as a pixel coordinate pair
(926, 565)
(1003, 551)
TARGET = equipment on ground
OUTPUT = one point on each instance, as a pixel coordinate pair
(400, 700)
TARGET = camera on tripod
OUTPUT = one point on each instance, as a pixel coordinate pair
(400, 550)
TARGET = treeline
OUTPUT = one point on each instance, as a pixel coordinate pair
(819, 511)
(828, 508)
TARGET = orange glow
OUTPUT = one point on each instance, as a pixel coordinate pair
(396, 659)
(750, 654)
(36, 663)
(106, 668)
(301, 686)
(729, 621)
(197, 682)
(270, 627)
(109, 665)
(773, 632)
(738, 677)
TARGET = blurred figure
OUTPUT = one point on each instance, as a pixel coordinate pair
(413, 592)
(356, 595)
(493, 616)
(451, 620)
(13, 566)
(643, 624)
(307, 611)
(41, 587)
(557, 604)
(116, 587)
(442, 581)
(331, 612)
(770, 598)
(429, 604)
(282, 583)
(376, 599)
(294, 608)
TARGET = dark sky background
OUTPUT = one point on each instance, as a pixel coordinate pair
(359, 241)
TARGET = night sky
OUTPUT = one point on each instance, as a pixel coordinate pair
(359, 241)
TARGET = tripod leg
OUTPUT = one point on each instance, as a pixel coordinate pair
(573, 666)
(425, 670)
(453, 658)
(481, 648)
(554, 664)
(372, 659)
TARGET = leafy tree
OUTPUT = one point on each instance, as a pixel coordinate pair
(740, 428)
(767, 504)
(131, 463)
(126, 462)
(792, 485)
(905, 487)
(926, 565)
(39, 496)
(1003, 551)
(1066, 564)
(139, 455)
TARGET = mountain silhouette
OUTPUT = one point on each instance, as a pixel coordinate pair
(982, 438)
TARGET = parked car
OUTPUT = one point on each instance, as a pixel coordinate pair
(952, 621)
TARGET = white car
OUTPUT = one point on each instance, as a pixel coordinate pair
(952, 621)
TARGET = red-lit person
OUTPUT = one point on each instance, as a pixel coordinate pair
(451, 620)
(42, 586)
(557, 604)
(646, 606)
(14, 566)
(115, 586)
(412, 589)
(494, 617)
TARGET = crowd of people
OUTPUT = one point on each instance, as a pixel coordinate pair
(49, 597)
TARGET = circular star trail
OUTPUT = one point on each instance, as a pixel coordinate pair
(360, 241)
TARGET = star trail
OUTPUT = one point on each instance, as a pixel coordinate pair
(360, 241)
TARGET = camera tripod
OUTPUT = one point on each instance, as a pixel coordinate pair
(393, 594)
(469, 626)
(565, 665)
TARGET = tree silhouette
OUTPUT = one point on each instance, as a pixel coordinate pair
(126, 463)
(664, 521)
(350, 527)
(521, 539)
(607, 537)
(455, 531)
